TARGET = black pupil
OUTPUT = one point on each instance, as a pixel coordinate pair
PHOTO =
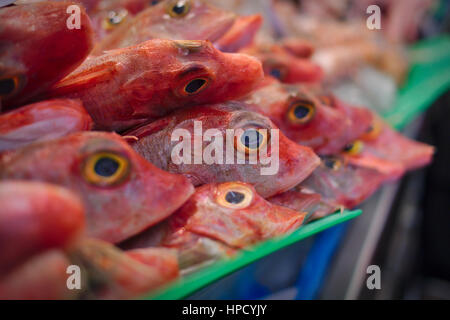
(301, 111)
(195, 85)
(276, 73)
(179, 7)
(106, 167)
(252, 139)
(6, 86)
(234, 197)
(330, 163)
(348, 147)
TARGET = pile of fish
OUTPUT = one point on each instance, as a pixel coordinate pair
(88, 116)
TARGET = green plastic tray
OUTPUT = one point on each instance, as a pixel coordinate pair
(428, 78)
(191, 283)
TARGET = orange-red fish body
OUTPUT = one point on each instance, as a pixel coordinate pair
(295, 162)
(41, 121)
(37, 48)
(129, 86)
(122, 193)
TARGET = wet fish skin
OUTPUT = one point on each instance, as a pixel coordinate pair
(154, 144)
(37, 49)
(36, 217)
(199, 21)
(122, 193)
(322, 127)
(129, 86)
(42, 121)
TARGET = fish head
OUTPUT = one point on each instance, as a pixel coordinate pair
(386, 150)
(198, 74)
(343, 184)
(122, 192)
(302, 115)
(354, 121)
(169, 19)
(233, 213)
(233, 144)
(37, 48)
(285, 67)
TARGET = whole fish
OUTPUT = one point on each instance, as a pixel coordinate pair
(123, 193)
(281, 64)
(37, 48)
(129, 86)
(35, 217)
(170, 19)
(41, 121)
(388, 151)
(239, 133)
(217, 220)
(304, 117)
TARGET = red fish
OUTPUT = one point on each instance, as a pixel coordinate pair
(385, 150)
(334, 185)
(123, 193)
(35, 217)
(241, 34)
(294, 164)
(133, 85)
(217, 220)
(170, 19)
(37, 48)
(280, 64)
(304, 117)
(42, 121)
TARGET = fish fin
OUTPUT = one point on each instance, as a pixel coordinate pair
(85, 78)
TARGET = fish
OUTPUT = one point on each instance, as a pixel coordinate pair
(37, 49)
(36, 217)
(388, 151)
(306, 118)
(42, 121)
(333, 186)
(170, 19)
(284, 66)
(130, 86)
(217, 220)
(241, 34)
(251, 134)
(107, 273)
(123, 193)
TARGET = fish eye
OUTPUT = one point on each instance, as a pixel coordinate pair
(114, 19)
(195, 86)
(275, 70)
(105, 169)
(301, 112)
(9, 86)
(234, 195)
(251, 140)
(179, 8)
(373, 131)
(332, 163)
(354, 148)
